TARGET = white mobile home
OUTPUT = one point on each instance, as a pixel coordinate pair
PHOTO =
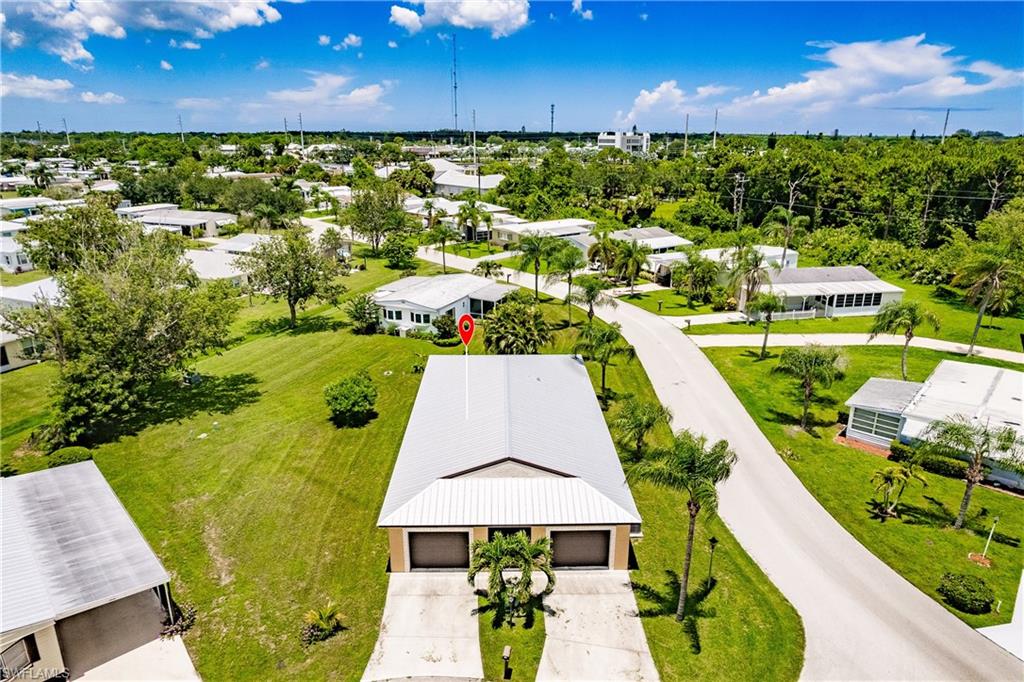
(833, 291)
(13, 257)
(210, 265)
(187, 223)
(241, 243)
(511, 233)
(415, 302)
(452, 183)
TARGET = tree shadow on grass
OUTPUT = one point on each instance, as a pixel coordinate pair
(937, 515)
(787, 419)
(174, 401)
(525, 616)
(353, 421)
(664, 601)
(755, 355)
(304, 325)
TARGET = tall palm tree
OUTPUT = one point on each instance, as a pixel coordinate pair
(564, 263)
(602, 344)
(902, 317)
(689, 465)
(604, 249)
(780, 222)
(748, 272)
(511, 553)
(590, 294)
(41, 176)
(637, 418)
(696, 275)
(488, 268)
(988, 270)
(438, 236)
(265, 215)
(811, 365)
(534, 249)
(959, 436)
(468, 218)
(630, 260)
(765, 306)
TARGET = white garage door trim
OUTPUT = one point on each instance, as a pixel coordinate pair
(408, 553)
(611, 544)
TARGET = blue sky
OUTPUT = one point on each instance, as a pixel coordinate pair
(246, 64)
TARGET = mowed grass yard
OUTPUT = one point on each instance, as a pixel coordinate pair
(10, 279)
(261, 509)
(920, 545)
(671, 303)
(471, 249)
(956, 319)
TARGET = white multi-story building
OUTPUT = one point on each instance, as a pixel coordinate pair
(634, 142)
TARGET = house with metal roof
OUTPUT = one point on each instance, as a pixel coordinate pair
(511, 233)
(71, 556)
(415, 302)
(241, 243)
(210, 265)
(833, 291)
(661, 264)
(507, 443)
(884, 410)
(187, 223)
(452, 182)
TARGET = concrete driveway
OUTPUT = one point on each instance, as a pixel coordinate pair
(594, 632)
(429, 629)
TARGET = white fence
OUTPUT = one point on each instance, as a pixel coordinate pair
(789, 315)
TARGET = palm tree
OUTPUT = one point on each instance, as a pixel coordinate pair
(694, 469)
(41, 176)
(630, 260)
(959, 436)
(604, 249)
(590, 294)
(905, 317)
(765, 306)
(327, 618)
(811, 365)
(511, 553)
(988, 270)
(892, 482)
(565, 262)
(534, 249)
(265, 215)
(781, 222)
(488, 268)
(749, 271)
(469, 218)
(438, 236)
(515, 328)
(697, 275)
(602, 344)
(637, 418)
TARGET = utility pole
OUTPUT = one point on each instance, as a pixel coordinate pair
(714, 136)
(686, 135)
(302, 135)
(946, 123)
(737, 197)
(181, 131)
(475, 166)
(287, 135)
(67, 137)
(39, 133)
(552, 118)
(455, 79)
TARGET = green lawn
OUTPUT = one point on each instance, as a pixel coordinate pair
(514, 263)
(9, 279)
(526, 639)
(261, 509)
(921, 545)
(666, 210)
(956, 322)
(671, 303)
(472, 249)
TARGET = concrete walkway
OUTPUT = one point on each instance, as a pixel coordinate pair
(862, 621)
(1010, 636)
(429, 629)
(708, 318)
(595, 631)
(744, 340)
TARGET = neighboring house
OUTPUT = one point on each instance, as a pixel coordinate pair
(105, 186)
(833, 291)
(634, 142)
(25, 206)
(452, 183)
(657, 239)
(661, 264)
(241, 243)
(17, 350)
(10, 228)
(187, 223)
(28, 295)
(210, 265)
(136, 212)
(13, 257)
(72, 556)
(416, 206)
(441, 166)
(507, 443)
(10, 183)
(511, 233)
(415, 302)
(884, 410)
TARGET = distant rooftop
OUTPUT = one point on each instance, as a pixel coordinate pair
(440, 291)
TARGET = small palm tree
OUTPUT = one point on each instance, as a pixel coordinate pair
(781, 223)
(749, 271)
(602, 344)
(765, 305)
(960, 436)
(265, 215)
(696, 276)
(327, 618)
(637, 418)
(902, 316)
(988, 270)
(469, 218)
(564, 263)
(604, 249)
(488, 268)
(41, 176)
(811, 365)
(630, 260)
(511, 553)
(693, 468)
(590, 294)
(534, 249)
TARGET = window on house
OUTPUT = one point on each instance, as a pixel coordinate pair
(420, 318)
(879, 424)
(18, 656)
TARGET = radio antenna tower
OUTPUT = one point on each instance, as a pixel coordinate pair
(552, 118)
(287, 135)
(455, 80)
(181, 131)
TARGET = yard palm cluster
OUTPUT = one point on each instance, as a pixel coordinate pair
(510, 562)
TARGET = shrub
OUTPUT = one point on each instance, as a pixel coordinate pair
(321, 624)
(351, 400)
(446, 327)
(186, 619)
(721, 300)
(900, 452)
(966, 593)
(447, 343)
(421, 334)
(399, 252)
(945, 466)
(364, 313)
(842, 417)
(71, 455)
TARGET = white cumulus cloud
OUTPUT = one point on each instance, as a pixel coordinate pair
(199, 103)
(392, 44)
(329, 90)
(184, 44)
(323, 40)
(262, 64)
(668, 98)
(166, 65)
(34, 87)
(577, 8)
(501, 17)
(104, 98)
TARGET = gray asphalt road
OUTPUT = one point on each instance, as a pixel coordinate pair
(862, 621)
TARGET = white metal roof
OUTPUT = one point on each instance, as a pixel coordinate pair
(210, 264)
(981, 393)
(143, 208)
(654, 237)
(439, 291)
(68, 546)
(825, 281)
(538, 410)
(886, 395)
(28, 294)
(563, 227)
(18, 203)
(241, 243)
(417, 206)
(12, 226)
(190, 218)
(454, 178)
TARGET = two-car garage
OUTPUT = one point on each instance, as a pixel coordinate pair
(449, 550)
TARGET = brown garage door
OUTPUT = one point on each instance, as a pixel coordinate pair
(580, 548)
(438, 550)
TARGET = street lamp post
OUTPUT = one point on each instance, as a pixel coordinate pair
(713, 542)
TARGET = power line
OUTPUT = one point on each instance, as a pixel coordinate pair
(855, 212)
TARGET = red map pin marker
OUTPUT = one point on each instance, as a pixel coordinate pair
(466, 327)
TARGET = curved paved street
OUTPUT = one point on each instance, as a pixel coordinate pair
(862, 621)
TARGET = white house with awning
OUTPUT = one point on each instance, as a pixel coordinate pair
(416, 302)
(833, 291)
(511, 233)
(507, 443)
